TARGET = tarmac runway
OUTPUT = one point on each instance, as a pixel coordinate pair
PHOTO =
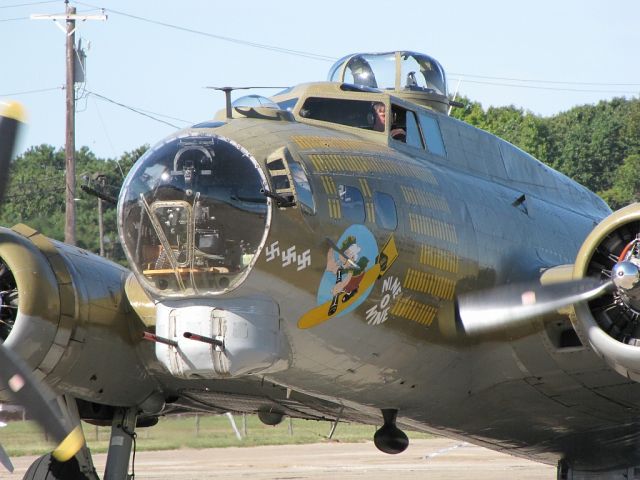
(437, 458)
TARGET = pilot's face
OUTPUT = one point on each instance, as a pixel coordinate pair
(380, 112)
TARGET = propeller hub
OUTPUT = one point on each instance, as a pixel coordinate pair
(625, 275)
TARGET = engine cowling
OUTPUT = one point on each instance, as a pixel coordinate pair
(611, 322)
(64, 312)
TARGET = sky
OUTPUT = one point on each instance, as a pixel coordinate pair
(157, 57)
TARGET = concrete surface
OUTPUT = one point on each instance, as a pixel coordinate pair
(437, 458)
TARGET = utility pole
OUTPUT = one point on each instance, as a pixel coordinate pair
(70, 18)
(70, 136)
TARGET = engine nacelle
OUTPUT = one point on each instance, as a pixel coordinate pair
(610, 323)
(64, 312)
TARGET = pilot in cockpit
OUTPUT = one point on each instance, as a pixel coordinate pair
(380, 115)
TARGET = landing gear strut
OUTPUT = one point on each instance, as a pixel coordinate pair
(122, 436)
(389, 438)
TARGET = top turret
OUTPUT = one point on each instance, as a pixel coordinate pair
(414, 76)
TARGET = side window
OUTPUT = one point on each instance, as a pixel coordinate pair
(432, 135)
(404, 127)
(288, 104)
(413, 132)
(351, 203)
(385, 210)
(303, 187)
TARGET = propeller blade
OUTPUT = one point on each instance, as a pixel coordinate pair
(12, 116)
(5, 460)
(514, 305)
(39, 401)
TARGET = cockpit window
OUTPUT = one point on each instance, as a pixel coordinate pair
(432, 135)
(413, 131)
(370, 71)
(303, 187)
(404, 127)
(399, 71)
(192, 217)
(353, 113)
(288, 104)
(422, 73)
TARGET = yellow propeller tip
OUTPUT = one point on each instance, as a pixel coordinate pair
(70, 445)
(13, 110)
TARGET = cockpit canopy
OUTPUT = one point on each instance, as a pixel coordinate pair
(414, 76)
(193, 217)
(379, 70)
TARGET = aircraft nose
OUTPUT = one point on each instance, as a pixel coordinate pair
(193, 216)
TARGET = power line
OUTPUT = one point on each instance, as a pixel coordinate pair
(316, 56)
(558, 82)
(146, 113)
(29, 4)
(29, 18)
(136, 110)
(464, 76)
(264, 46)
(165, 116)
(29, 92)
(40, 193)
(328, 58)
(13, 19)
(106, 133)
(537, 87)
(40, 184)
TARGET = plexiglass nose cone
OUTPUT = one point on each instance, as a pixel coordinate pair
(192, 218)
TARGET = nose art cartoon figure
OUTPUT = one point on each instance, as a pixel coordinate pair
(349, 268)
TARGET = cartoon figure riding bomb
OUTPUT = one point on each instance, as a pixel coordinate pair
(349, 268)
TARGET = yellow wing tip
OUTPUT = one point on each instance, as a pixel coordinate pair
(70, 445)
(13, 110)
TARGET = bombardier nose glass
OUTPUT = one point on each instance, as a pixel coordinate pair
(192, 217)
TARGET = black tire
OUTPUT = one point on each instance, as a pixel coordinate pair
(48, 468)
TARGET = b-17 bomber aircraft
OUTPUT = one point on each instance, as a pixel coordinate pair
(345, 251)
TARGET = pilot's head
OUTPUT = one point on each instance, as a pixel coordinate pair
(379, 116)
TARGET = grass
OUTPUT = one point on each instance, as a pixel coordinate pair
(190, 431)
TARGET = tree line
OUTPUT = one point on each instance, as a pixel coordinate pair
(36, 194)
(596, 145)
